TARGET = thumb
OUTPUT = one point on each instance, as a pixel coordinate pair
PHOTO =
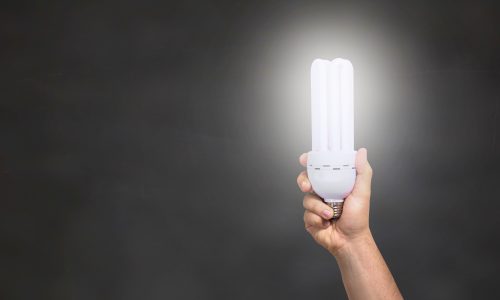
(362, 186)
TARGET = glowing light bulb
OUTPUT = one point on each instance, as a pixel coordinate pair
(330, 164)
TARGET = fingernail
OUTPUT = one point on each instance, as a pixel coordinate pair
(327, 213)
(326, 223)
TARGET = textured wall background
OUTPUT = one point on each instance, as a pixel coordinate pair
(149, 150)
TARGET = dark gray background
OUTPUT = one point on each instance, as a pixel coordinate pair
(149, 150)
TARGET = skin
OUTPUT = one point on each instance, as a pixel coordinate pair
(364, 272)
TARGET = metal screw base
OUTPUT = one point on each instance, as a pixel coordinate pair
(337, 209)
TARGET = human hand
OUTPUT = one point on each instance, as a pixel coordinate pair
(354, 222)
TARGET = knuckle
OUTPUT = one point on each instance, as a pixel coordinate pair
(369, 170)
(299, 177)
(312, 219)
(307, 201)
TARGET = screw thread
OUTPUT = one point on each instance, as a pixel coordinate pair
(337, 209)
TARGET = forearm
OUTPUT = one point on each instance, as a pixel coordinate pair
(364, 271)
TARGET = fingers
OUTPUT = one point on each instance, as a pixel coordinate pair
(302, 180)
(303, 159)
(362, 187)
(315, 205)
(304, 183)
(313, 220)
(317, 214)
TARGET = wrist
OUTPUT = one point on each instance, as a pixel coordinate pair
(353, 245)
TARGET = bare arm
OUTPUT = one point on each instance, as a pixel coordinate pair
(364, 271)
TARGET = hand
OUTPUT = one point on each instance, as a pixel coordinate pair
(353, 224)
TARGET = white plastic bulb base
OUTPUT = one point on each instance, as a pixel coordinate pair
(332, 175)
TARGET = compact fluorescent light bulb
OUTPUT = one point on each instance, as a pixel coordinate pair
(331, 163)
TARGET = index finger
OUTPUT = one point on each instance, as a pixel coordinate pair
(303, 159)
